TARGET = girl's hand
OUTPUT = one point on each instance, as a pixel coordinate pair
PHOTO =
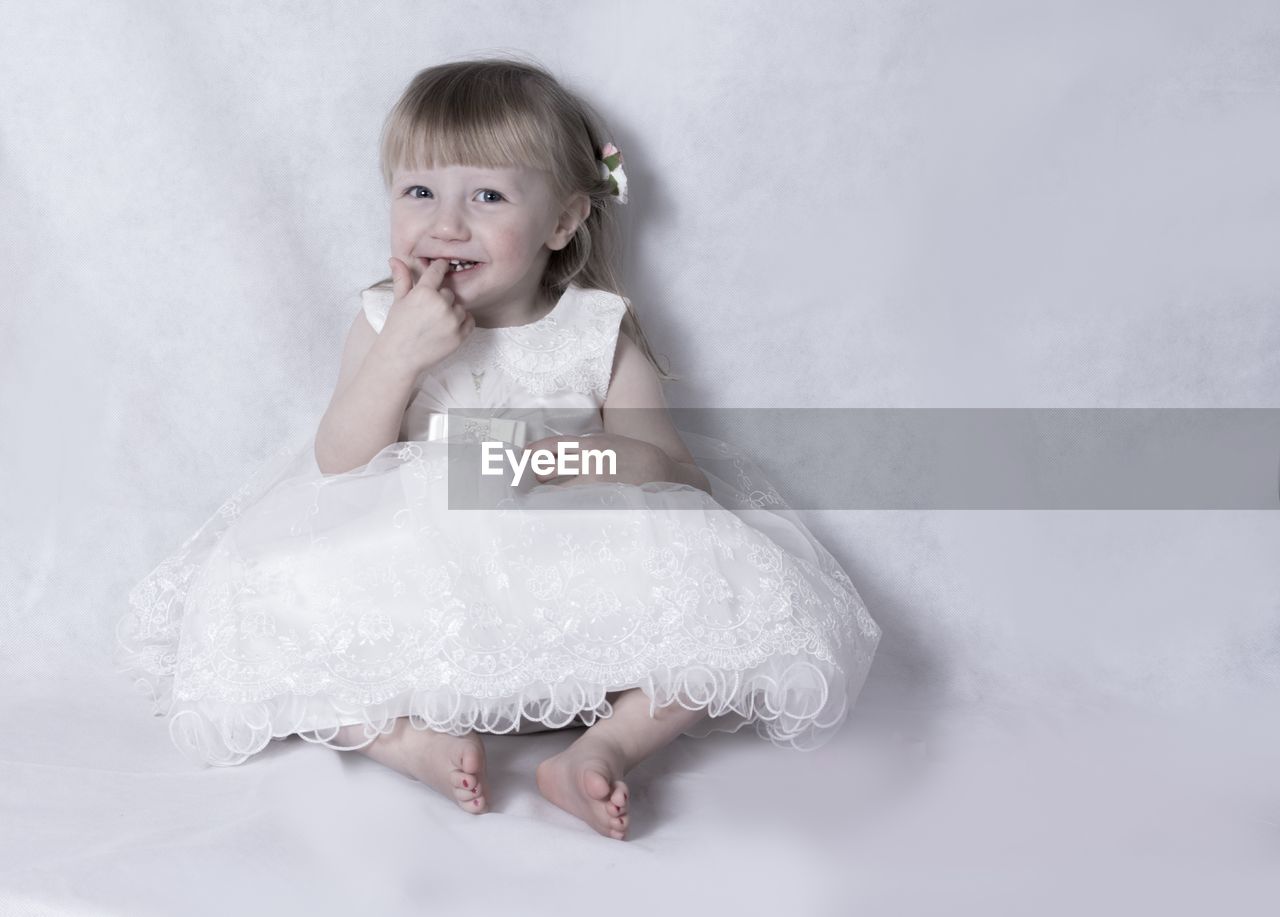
(637, 461)
(424, 325)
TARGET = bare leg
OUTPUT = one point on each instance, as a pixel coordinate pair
(452, 765)
(586, 778)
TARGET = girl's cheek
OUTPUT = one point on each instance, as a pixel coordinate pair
(510, 240)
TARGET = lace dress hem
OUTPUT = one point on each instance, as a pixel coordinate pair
(799, 709)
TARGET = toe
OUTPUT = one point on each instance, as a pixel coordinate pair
(471, 758)
(595, 783)
(619, 795)
(617, 803)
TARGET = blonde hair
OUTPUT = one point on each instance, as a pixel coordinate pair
(497, 113)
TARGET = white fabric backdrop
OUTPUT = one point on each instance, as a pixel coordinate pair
(924, 204)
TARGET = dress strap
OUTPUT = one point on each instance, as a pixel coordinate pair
(603, 312)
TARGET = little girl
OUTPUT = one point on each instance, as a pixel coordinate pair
(351, 593)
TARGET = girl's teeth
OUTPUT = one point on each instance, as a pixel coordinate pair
(454, 266)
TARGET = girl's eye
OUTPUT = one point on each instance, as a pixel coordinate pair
(414, 188)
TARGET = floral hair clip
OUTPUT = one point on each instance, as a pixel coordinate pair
(611, 169)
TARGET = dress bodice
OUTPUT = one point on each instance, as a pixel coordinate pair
(552, 373)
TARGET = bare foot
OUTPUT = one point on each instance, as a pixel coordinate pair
(585, 781)
(453, 765)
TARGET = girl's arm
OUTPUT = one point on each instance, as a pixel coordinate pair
(635, 385)
(368, 403)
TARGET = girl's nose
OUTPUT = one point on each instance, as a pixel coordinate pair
(448, 224)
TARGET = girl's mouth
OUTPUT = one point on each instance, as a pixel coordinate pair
(455, 267)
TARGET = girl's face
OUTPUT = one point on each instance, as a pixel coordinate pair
(505, 220)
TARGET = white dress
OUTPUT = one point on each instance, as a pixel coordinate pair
(312, 601)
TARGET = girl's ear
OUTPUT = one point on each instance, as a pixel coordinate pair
(575, 213)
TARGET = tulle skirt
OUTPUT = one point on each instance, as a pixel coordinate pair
(308, 602)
